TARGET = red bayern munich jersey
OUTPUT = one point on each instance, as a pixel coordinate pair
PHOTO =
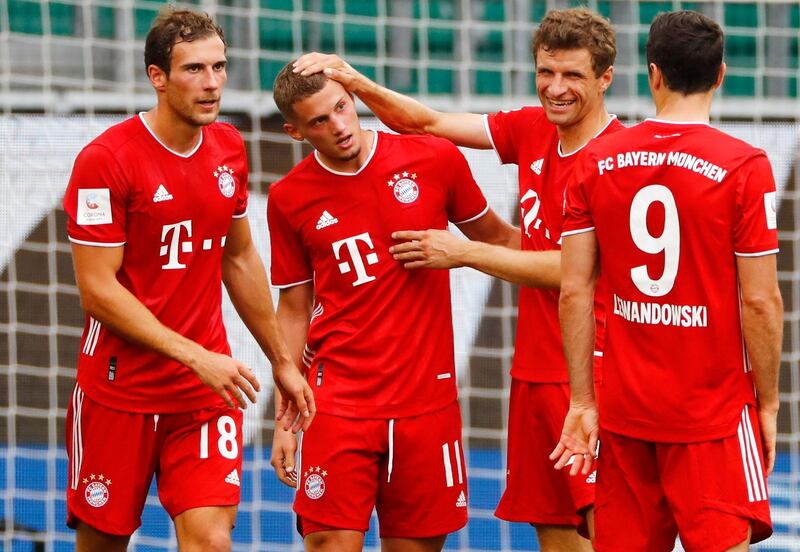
(525, 137)
(171, 212)
(673, 204)
(380, 344)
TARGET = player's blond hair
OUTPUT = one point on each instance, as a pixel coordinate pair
(290, 87)
(576, 28)
(172, 26)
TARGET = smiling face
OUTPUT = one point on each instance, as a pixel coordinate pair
(193, 88)
(328, 120)
(567, 86)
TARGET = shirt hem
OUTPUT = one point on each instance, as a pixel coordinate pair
(293, 284)
(758, 253)
(576, 232)
(334, 408)
(476, 217)
(96, 244)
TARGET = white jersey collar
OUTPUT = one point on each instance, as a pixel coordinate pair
(172, 151)
(361, 168)
(611, 118)
(665, 122)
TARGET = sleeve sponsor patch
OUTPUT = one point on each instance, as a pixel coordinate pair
(94, 206)
(771, 210)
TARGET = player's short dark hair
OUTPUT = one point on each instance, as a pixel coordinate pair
(172, 26)
(687, 47)
(289, 88)
(576, 28)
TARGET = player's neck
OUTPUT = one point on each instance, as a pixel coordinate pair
(693, 108)
(576, 136)
(171, 131)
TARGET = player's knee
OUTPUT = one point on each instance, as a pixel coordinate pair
(212, 540)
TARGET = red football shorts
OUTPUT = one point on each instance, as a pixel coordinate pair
(196, 457)
(710, 492)
(411, 470)
(536, 492)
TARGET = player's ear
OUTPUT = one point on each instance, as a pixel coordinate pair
(721, 75)
(606, 78)
(292, 131)
(158, 77)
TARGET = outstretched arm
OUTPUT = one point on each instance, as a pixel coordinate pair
(762, 322)
(578, 443)
(246, 281)
(493, 248)
(400, 113)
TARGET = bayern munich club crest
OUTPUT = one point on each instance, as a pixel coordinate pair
(404, 186)
(314, 486)
(96, 492)
(225, 181)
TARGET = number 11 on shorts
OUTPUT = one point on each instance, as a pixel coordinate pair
(227, 445)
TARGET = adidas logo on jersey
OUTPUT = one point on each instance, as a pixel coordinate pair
(233, 478)
(462, 501)
(536, 166)
(161, 194)
(325, 220)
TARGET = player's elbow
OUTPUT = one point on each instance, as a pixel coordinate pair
(766, 305)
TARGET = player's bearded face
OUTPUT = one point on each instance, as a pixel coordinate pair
(197, 77)
(567, 86)
(328, 120)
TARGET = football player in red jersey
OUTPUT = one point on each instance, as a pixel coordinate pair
(574, 51)
(680, 219)
(157, 219)
(376, 338)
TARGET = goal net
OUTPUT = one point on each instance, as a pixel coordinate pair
(71, 68)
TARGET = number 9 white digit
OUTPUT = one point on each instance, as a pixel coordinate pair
(669, 241)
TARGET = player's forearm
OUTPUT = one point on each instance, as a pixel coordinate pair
(400, 113)
(762, 323)
(541, 269)
(120, 311)
(246, 281)
(578, 333)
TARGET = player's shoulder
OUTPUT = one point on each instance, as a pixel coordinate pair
(425, 145)
(118, 136)
(224, 133)
(307, 170)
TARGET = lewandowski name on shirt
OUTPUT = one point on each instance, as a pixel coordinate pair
(686, 316)
(654, 159)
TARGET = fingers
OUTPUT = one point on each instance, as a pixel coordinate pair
(408, 235)
(225, 397)
(558, 451)
(250, 376)
(234, 392)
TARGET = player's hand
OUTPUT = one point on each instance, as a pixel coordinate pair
(768, 419)
(332, 65)
(297, 406)
(284, 446)
(428, 249)
(578, 444)
(227, 377)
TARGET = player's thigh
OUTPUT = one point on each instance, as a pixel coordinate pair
(431, 544)
(201, 460)
(423, 482)
(536, 418)
(89, 539)
(205, 529)
(334, 540)
(717, 489)
(561, 538)
(112, 456)
(337, 469)
(631, 511)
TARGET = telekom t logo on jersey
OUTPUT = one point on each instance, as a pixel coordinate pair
(171, 235)
(357, 260)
